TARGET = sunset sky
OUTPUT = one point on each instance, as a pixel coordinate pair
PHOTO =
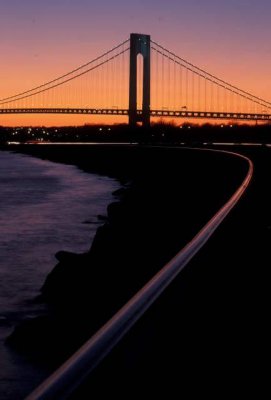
(43, 39)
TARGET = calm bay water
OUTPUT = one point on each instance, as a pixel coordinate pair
(44, 207)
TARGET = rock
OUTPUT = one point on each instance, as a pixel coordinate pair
(70, 257)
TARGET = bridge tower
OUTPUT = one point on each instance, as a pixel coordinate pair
(139, 44)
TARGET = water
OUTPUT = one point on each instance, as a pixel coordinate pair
(44, 207)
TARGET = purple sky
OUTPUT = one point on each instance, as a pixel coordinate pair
(41, 39)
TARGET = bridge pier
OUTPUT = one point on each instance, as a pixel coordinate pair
(139, 44)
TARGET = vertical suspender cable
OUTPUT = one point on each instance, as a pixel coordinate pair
(117, 81)
(211, 96)
(192, 90)
(174, 83)
(186, 88)
(162, 81)
(107, 83)
(199, 92)
(169, 85)
(205, 94)
(157, 80)
(103, 70)
(181, 86)
(218, 102)
(122, 76)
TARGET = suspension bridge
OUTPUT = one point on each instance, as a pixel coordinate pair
(140, 79)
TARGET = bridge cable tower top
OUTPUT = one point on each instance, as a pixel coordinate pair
(140, 44)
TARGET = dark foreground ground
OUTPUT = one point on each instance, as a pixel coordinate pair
(209, 331)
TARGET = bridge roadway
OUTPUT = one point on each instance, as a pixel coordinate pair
(153, 113)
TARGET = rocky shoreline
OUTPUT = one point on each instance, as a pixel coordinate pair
(167, 196)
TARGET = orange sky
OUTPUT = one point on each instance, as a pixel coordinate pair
(41, 40)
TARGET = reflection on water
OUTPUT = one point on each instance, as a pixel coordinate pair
(44, 207)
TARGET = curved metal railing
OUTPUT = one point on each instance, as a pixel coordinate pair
(71, 374)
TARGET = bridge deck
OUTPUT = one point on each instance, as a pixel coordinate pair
(153, 113)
